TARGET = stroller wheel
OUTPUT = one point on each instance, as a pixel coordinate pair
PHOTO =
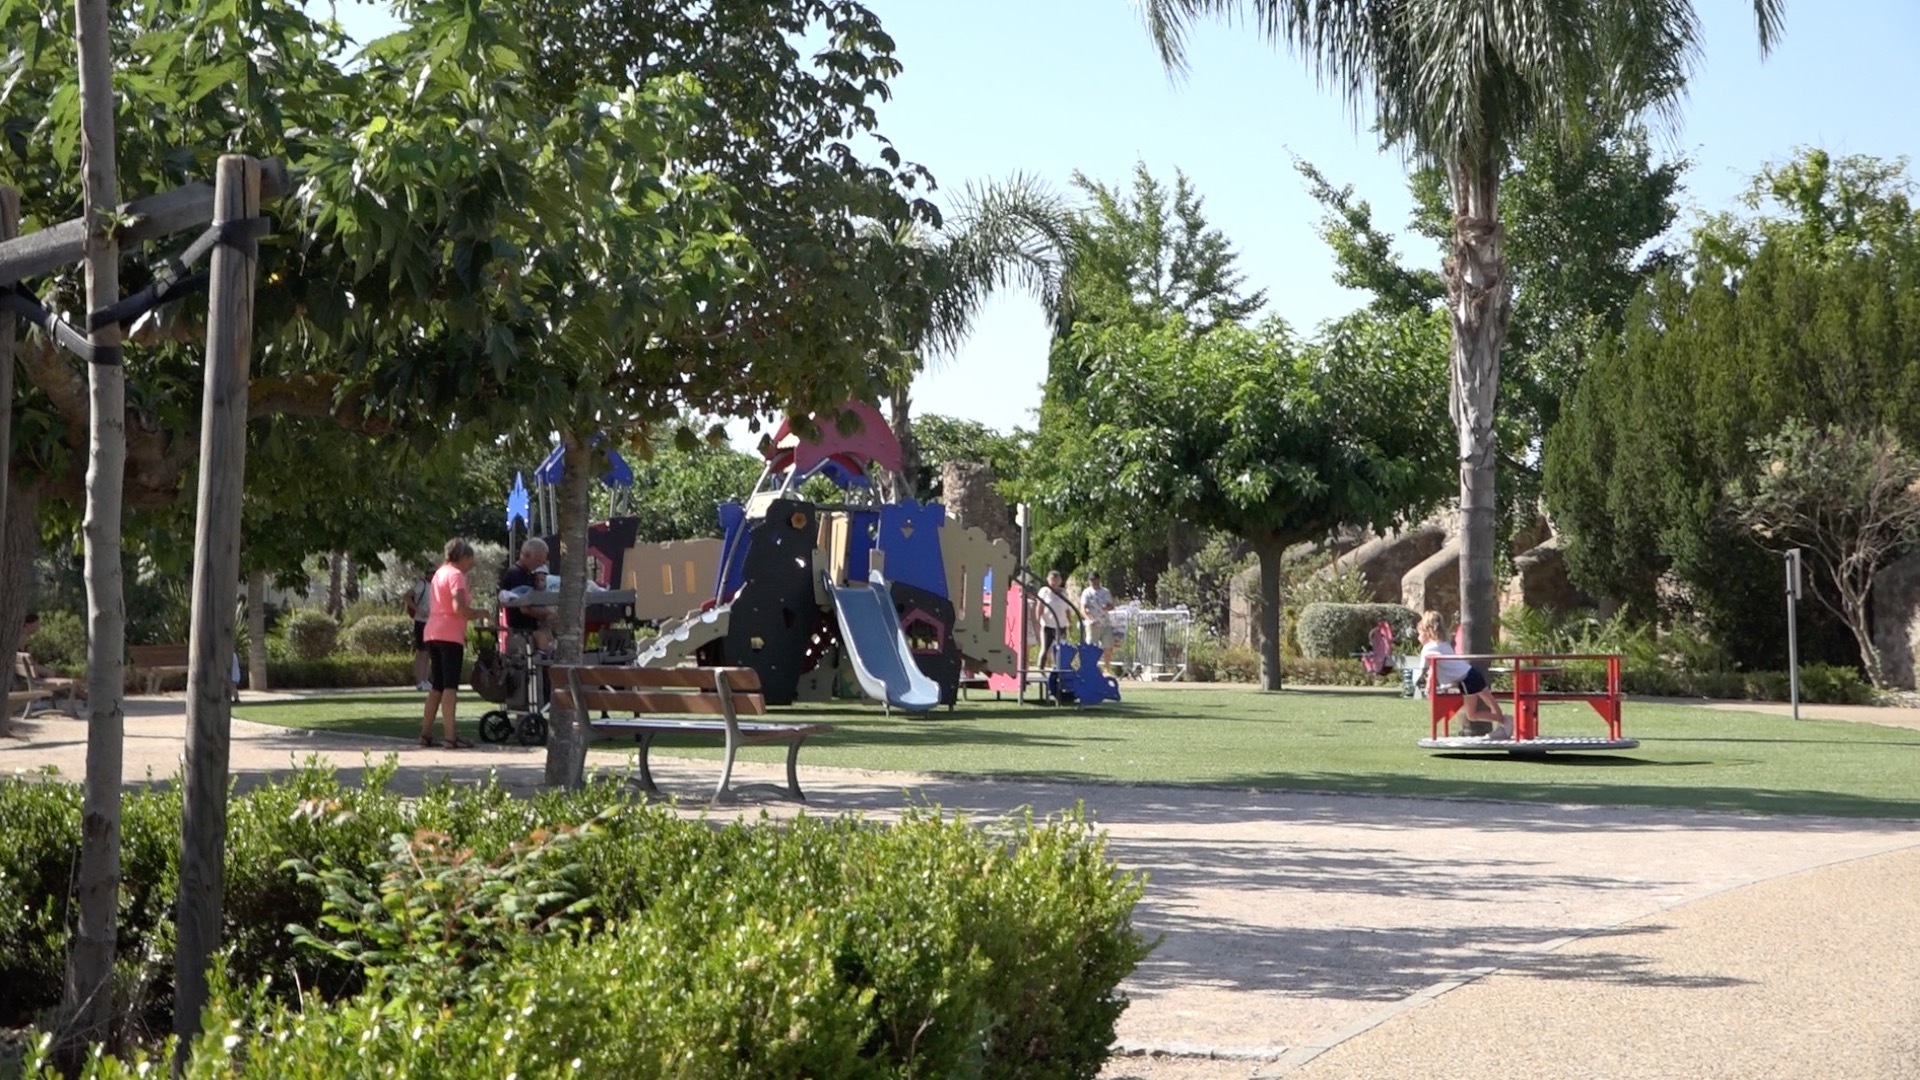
(496, 726)
(533, 730)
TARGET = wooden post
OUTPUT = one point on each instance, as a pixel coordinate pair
(216, 575)
(89, 988)
(9, 228)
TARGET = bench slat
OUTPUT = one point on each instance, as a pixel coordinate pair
(595, 699)
(738, 678)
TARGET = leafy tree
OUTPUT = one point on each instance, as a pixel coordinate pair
(677, 491)
(1253, 433)
(1805, 307)
(1458, 86)
(1143, 256)
(1850, 499)
(947, 438)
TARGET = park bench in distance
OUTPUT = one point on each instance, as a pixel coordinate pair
(156, 662)
(653, 696)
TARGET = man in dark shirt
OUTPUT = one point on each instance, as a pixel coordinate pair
(529, 572)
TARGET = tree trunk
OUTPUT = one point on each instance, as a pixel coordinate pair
(1479, 303)
(349, 582)
(216, 573)
(89, 984)
(19, 545)
(900, 408)
(9, 228)
(566, 731)
(334, 605)
(1270, 551)
(257, 630)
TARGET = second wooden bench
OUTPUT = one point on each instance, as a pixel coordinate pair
(156, 662)
(652, 695)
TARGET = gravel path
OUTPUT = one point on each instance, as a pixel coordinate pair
(1340, 936)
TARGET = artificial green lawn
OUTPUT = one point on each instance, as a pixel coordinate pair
(1306, 740)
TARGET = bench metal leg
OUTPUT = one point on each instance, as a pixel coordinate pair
(645, 739)
(793, 769)
(724, 792)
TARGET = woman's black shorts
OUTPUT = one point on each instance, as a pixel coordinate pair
(444, 659)
(1474, 682)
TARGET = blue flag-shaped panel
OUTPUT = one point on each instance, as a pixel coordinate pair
(619, 475)
(517, 502)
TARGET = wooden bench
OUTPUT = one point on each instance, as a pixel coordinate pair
(29, 690)
(651, 695)
(1527, 691)
(156, 662)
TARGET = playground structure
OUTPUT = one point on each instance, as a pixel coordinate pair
(1527, 690)
(866, 595)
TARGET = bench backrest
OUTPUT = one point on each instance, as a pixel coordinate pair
(708, 691)
(158, 655)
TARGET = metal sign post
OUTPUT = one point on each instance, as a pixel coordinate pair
(1793, 631)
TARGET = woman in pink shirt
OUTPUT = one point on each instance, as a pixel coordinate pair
(446, 636)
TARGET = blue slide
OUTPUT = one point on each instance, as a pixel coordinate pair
(877, 647)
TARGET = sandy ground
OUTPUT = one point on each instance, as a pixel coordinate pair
(1339, 936)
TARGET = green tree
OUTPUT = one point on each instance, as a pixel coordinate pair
(1803, 307)
(1458, 86)
(1850, 499)
(1145, 256)
(947, 438)
(1255, 434)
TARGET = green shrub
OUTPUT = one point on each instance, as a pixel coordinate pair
(1340, 630)
(815, 947)
(1211, 659)
(378, 635)
(1331, 671)
(311, 634)
(61, 641)
(341, 671)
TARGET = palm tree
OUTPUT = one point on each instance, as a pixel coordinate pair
(1456, 84)
(1015, 233)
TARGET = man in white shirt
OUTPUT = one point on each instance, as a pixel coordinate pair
(1054, 613)
(1096, 611)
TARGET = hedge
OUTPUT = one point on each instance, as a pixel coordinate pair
(615, 933)
(378, 635)
(1340, 630)
(311, 633)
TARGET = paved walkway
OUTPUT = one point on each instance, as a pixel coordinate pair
(1336, 936)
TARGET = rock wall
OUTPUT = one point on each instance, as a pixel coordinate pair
(1540, 582)
(1895, 611)
(1384, 560)
(968, 492)
(1434, 584)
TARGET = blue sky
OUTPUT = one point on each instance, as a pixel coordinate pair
(992, 87)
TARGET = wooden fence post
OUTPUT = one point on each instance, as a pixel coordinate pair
(216, 574)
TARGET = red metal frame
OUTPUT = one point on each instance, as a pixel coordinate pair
(1525, 695)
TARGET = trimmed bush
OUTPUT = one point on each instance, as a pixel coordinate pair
(342, 671)
(311, 634)
(61, 641)
(642, 945)
(378, 635)
(1340, 630)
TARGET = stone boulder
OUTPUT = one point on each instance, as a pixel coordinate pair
(1434, 584)
(1540, 582)
(1895, 609)
(1384, 560)
(968, 492)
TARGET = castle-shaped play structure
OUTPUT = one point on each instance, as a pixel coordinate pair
(887, 596)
